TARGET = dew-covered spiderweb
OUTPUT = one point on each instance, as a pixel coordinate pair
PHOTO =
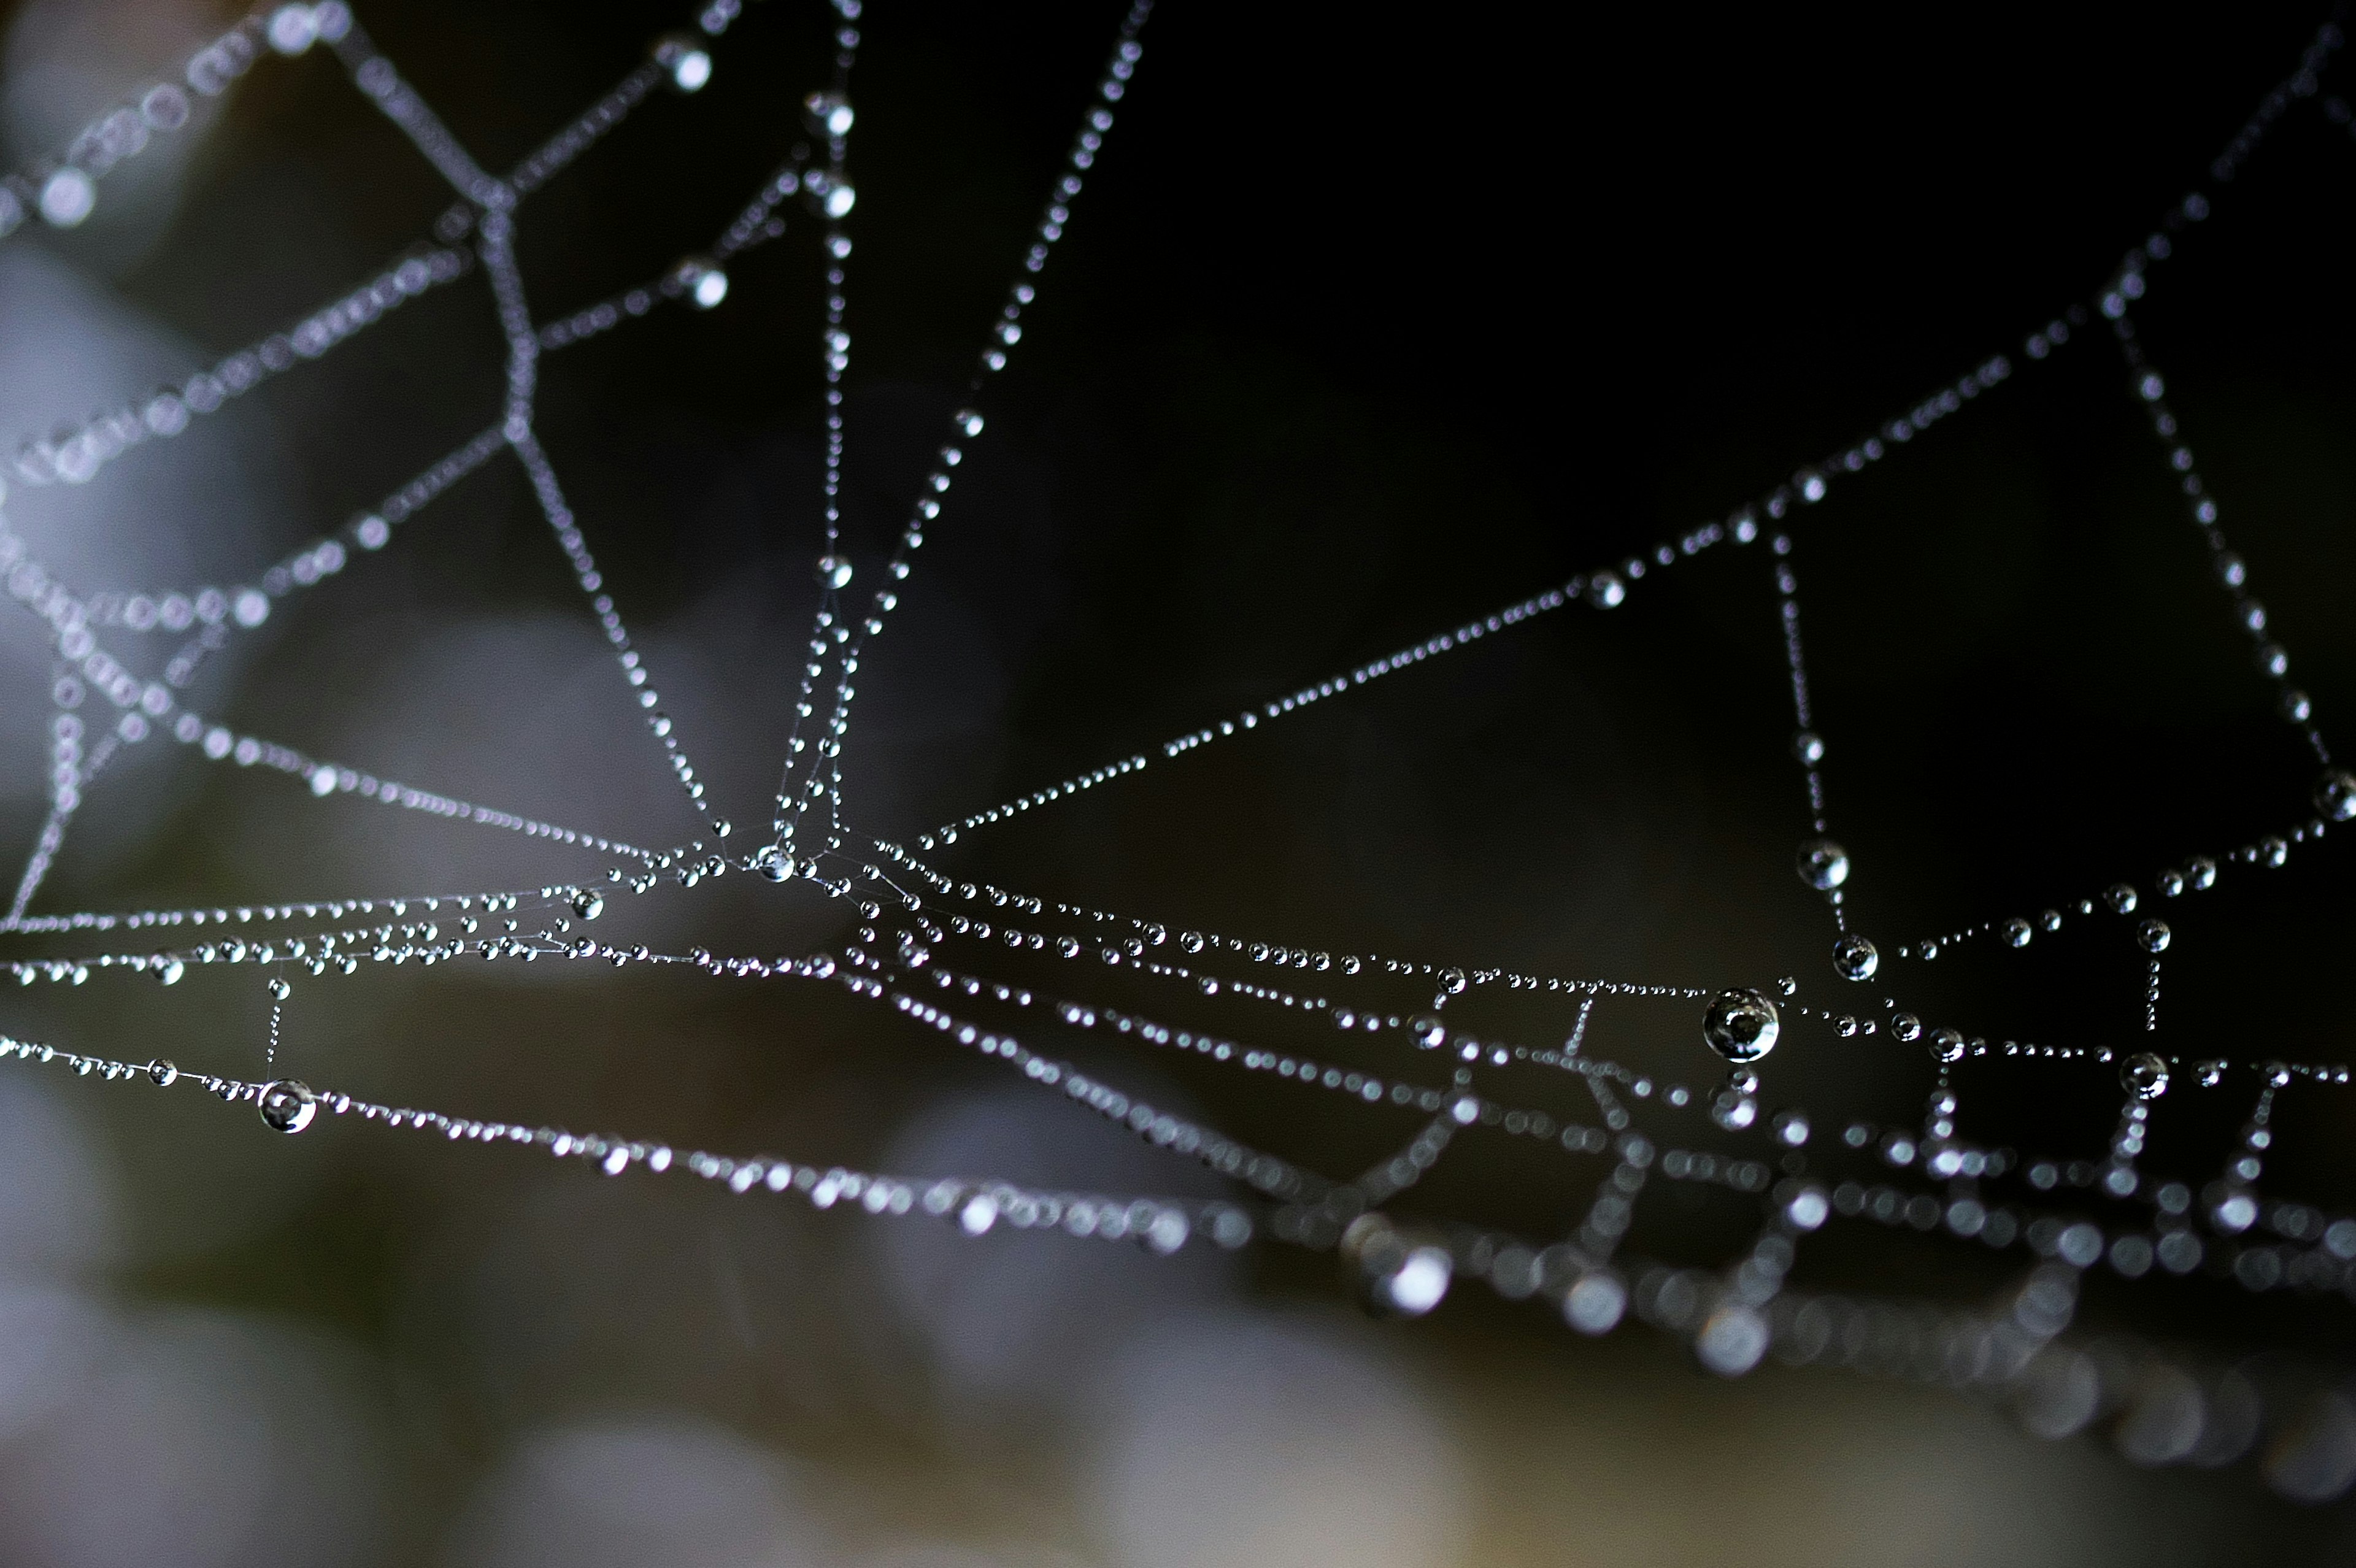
(957, 961)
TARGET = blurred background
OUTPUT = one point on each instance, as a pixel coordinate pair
(1363, 328)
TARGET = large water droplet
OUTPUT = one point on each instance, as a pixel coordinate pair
(2145, 1076)
(1823, 864)
(2153, 936)
(2335, 796)
(829, 113)
(703, 284)
(686, 63)
(589, 903)
(1741, 1026)
(833, 571)
(1855, 958)
(1732, 1340)
(288, 1106)
(1398, 1273)
(1595, 1304)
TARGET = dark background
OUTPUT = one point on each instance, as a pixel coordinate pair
(1364, 326)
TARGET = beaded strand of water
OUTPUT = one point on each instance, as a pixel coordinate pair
(1605, 588)
(793, 805)
(63, 189)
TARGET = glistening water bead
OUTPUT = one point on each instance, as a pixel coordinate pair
(686, 63)
(704, 285)
(2335, 795)
(2153, 936)
(828, 113)
(1855, 958)
(288, 1106)
(1397, 1272)
(2145, 1076)
(1741, 1026)
(833, 571)
(1823, 864)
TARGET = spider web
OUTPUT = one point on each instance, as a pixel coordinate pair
(931, 945)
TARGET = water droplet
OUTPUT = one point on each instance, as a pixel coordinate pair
(1845, 1026)
(2017, 932)
(1595, 1303)
(2145, 1076)
(685, 63)
(1741, 1026)
(1808, 747)
(163, 1073)
(2272, 852)
(169, 971)
(67, 196)
(1823, 864)
(705, 285)
(773, 863)
(833, 571)
(280, 988)
(2153, 936)
(1854, 958)
(1069, 946)
(1946, 1045)
(1605, 591)
(2208, 1074)
(1428, 1031)
(2120, 897)
(829, 113)
(589, 903)
(2297, 708)
(1398, 1273)
(288, 1106)
(1733, 1337)
(1906, 1026)
(1451, 981)
(2201, 873)
(2335, 796)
